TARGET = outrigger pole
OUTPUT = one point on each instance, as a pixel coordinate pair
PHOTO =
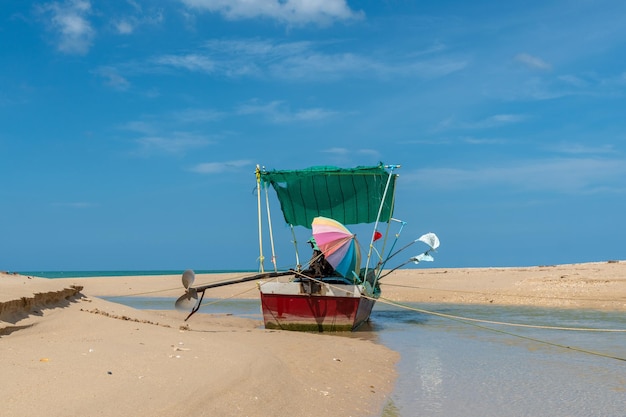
(295, 244)
(193, 291)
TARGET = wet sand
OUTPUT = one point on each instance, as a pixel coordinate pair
(66, 351)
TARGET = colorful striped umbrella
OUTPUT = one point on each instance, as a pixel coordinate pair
(338, 244)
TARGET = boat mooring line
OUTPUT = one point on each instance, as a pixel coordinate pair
(473, 322)
(464, 320)
(469, 319)
(531, 326)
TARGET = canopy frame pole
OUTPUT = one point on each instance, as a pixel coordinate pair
(269, 222)
(393, 245)
(386, 239)
(258, 193)
(295, 245)
(380, 211)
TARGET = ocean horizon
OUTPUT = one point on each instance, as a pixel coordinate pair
(123, 273)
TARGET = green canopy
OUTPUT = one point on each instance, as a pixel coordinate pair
(348, 195)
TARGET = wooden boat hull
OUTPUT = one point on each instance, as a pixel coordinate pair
(293, 306)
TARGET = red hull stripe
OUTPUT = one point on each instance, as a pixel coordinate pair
(318, 313)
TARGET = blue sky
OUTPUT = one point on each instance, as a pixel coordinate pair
(130, 130)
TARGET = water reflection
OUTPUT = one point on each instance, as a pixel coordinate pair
(429, 368)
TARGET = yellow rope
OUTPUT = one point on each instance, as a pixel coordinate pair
(531, 326)
(472, 322)
(469, 319)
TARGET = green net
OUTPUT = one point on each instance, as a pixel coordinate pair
(348, 195)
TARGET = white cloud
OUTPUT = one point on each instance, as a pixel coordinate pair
(432, 68)
(69, 21)
(314, 65)
(561, 175)
(279, 112)
(191, 62)
(198, 115)
(346, 151)
(493, 121)
(573, 80)
(501, 119)
(370, 152)
(323, 66)
(307, 115)
(533, 62)
(140, 127)
(291, 12)
(124, 27)
(257, 47)
(177, 143)
(273, 112)
(113, 78)
(300, 61)
(76, 205)
(581, 149)
(484, 141)
(128, 24)
(496, 120)
(218, 167)
(337, 151)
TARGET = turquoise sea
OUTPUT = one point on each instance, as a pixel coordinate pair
(452, 368)
(121, 273)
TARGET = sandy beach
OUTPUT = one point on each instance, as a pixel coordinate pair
(66, 351)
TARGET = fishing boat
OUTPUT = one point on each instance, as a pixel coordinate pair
(336, 289)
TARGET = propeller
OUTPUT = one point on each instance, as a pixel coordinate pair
(189, 299)
(189, 277)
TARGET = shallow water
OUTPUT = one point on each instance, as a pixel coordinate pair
(451, 368)
(448, 368)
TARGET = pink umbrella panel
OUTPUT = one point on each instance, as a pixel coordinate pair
(339, 246)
